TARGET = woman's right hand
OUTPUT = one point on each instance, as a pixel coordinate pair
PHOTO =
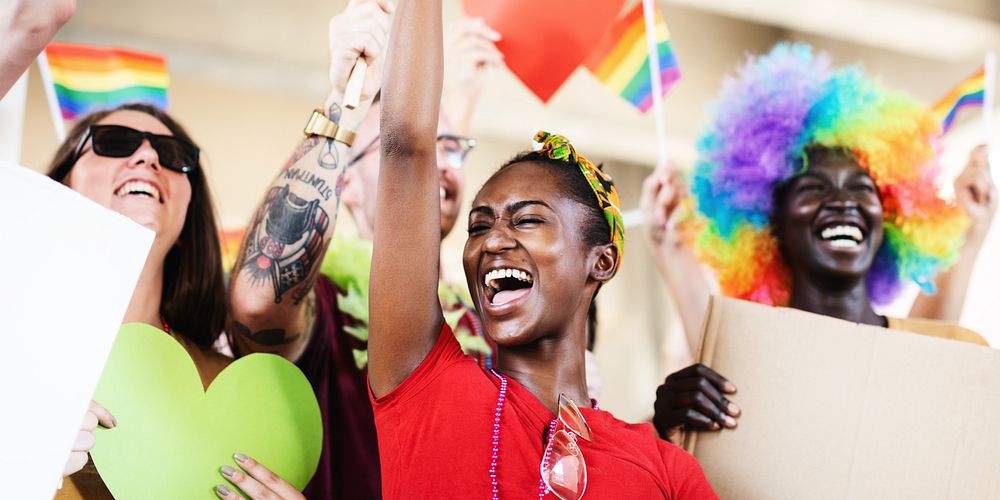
(96, 414)
(694, 399)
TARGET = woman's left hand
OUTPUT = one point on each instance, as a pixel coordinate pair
(256, 482)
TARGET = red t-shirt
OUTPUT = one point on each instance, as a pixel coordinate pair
(435, 433)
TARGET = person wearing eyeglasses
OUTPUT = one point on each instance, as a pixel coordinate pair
(303, 292)
(544, 234)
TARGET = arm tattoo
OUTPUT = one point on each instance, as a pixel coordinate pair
(306, 177)
(285, 243)
(268, 337)
(330, 158)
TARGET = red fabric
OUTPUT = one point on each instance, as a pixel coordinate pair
(435, 433)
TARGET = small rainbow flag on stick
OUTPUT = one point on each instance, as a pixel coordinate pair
(621, 59)
(87, 78)
(970, 92)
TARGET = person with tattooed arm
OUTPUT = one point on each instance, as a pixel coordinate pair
(281, 302)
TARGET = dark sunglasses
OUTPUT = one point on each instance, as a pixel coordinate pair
(452, 148)
(117, 141)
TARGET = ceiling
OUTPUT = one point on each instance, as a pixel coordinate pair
(924, 46)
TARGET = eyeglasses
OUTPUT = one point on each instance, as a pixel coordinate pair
(452, 148)
(117, 141)
(563, 468)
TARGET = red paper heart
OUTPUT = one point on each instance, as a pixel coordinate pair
(545, 40)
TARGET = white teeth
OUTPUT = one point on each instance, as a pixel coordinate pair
(843, 243)
(133, 187)
(492, 276)
(851, 231)
(443, 193)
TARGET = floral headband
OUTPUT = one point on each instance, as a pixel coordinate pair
(557, 147)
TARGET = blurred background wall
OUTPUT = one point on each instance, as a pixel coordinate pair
(245, 75)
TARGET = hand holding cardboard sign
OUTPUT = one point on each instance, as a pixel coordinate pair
(694, 399)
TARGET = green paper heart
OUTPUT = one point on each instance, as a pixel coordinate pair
(172, 436)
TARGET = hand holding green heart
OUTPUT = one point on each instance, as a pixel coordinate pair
(172, 435)
(260, 484)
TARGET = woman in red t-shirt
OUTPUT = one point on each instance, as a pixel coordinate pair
(544, 233)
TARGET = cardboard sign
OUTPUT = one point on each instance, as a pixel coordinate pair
(833, 409)
(543, 42)
(172, 435)
(69, 267)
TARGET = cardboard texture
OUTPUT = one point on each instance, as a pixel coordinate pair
(833, 409)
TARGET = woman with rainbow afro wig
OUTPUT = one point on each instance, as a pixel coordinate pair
(815, 188)
(780, 104)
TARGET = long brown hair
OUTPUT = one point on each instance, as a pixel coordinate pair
(193, 300)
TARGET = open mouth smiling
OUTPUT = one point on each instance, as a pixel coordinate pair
(138, 188)
(505, 285)
(846, 235)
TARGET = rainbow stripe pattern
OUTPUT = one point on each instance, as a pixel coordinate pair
(621, 59)
(88, 78)
(970, 92)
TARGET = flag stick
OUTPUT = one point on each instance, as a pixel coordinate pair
(352, 93)
(989, 96)
(50, 96)
(649, 13)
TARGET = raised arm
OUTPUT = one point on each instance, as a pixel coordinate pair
(405, 316)
(680, 269)
(271, 297)
(976, 193)
(26, 27)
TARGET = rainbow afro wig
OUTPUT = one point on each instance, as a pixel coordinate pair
(778, 104)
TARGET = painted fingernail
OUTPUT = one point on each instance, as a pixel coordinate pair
(733, 409)
(228, 471)
(730, 421)
(222, 491)
(240, 457)
(714, 426)
(729, 387)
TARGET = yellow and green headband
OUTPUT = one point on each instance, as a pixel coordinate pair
(557, 147)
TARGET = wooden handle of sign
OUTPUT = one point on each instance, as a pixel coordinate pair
(352, 94)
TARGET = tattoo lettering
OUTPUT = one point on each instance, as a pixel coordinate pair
(268, 337)
(285, 243)
(298, 174)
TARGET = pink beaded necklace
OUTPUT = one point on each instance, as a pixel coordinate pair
(494, 456)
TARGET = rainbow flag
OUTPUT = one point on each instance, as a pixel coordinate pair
(88, 78)
(970, 92)
(621, 59)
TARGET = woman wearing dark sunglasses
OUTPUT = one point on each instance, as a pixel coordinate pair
(139, 162)
(544, 234)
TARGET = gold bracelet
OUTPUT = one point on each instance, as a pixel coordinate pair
(319, 124)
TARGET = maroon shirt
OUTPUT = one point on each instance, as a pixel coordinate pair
(349, 463)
